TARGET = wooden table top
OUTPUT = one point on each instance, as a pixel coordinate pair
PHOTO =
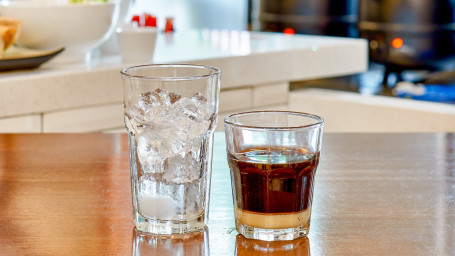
(375, 194)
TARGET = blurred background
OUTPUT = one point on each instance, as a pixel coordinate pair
(409, 40)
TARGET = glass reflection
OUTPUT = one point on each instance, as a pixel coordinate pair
(244, 246)
(196, 243)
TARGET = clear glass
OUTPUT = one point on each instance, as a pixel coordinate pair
(273, 157)
(170, 114)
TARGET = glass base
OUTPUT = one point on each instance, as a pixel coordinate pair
(271, 234)
(169, 227)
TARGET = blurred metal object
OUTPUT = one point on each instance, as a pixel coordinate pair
(317, 17)
(407, 34)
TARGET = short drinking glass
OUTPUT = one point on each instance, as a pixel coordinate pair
(273, 156)
(170, 114)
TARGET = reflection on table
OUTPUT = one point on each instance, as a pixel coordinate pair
(195, 243)
(245, 247)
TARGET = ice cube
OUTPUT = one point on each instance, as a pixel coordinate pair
(194, 147)
(160, 139)
(180, 169)
(199, 99)
(147, 100)
(205, 108)
(174, 169)
(157, 207)
(149, 155)
(153, 104)
(134, 120)
(148, 181)
(173, 97)
(157, 98)
(187, 116)
(184, 107)
(187, 196)
(149, 184)
(194, 197)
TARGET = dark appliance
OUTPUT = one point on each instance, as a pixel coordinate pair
(316, 17)
(409, 34)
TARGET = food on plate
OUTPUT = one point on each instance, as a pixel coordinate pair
(9, 32)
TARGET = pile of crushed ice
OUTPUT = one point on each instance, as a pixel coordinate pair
(170, 132)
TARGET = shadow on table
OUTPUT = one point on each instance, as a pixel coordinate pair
(244, 247)
(196, 243)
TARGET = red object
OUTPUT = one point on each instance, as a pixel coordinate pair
(136, 19)
(169, 25)
(144, 20)
(289, 31)
(150, 21)
(397, 42)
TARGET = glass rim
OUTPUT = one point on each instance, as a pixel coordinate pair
(215, 72)
(319, 120)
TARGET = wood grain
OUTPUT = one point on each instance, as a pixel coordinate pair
(375, 194)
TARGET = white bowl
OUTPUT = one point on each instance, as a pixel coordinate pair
(51, 24)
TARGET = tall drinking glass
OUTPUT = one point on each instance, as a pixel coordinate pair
(170, 114)
(273, 156)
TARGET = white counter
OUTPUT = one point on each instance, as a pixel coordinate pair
(256, 71)
(353, 112)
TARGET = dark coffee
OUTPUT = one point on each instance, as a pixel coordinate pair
(273, 180)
